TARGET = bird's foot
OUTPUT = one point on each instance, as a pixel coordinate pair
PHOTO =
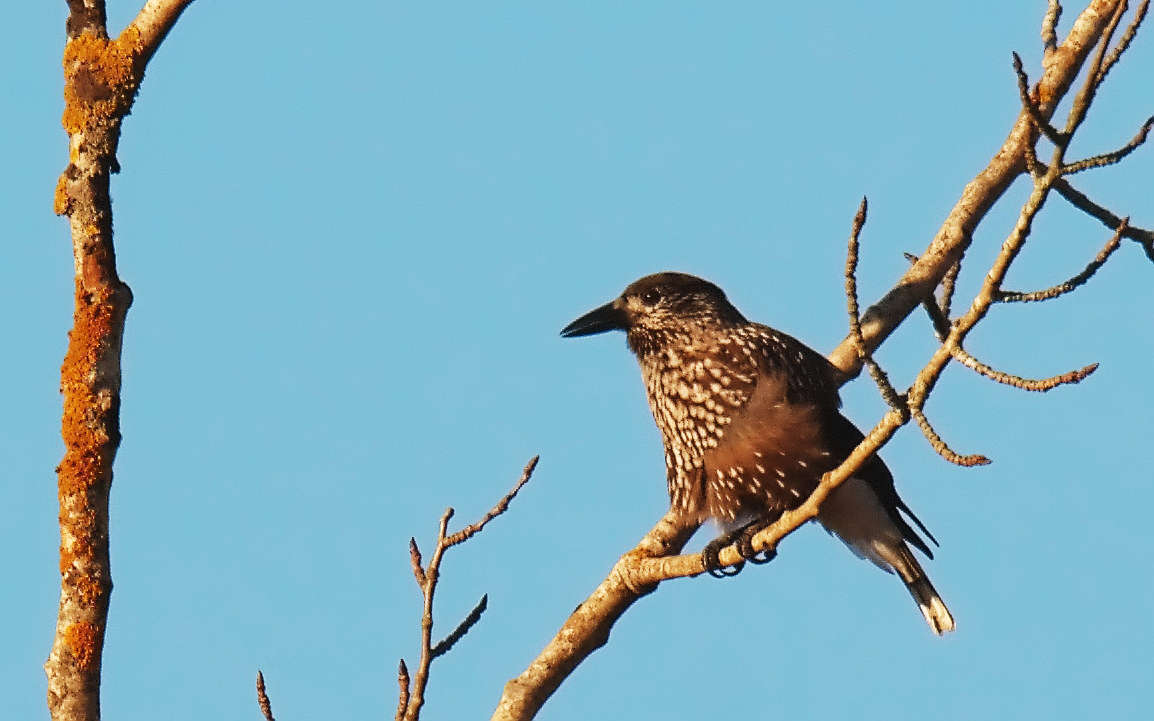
(742, 539)
(711, 562)
(744, 543)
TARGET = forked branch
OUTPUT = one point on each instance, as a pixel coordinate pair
(1013, 296)
(411, 695)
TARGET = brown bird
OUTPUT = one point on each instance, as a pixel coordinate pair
(749, 419)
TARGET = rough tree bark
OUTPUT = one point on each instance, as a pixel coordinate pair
(101, 77)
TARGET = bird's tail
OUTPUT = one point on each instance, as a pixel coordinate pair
(925, 595)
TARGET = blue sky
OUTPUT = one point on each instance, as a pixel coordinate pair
(353, 237)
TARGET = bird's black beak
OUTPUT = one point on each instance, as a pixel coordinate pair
(607, 317)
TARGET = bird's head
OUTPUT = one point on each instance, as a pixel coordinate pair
(658, 307)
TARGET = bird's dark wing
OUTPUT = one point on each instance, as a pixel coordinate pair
(769, 457)
(811, 378)
(843, 436)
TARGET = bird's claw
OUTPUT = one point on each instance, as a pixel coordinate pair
(742, 539)
(744, 544)
(711, 562)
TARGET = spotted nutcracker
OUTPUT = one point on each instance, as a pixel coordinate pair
(749, 419)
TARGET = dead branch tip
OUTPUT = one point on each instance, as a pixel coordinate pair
(403, 692)
(262, 698)
(446, 644)
(940, 445)
(1013, 296)
(415, 562)
(1115, 156)
(502, 505)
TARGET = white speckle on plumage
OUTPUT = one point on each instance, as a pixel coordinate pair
(760, 468)
(803, 464)
(780, 473)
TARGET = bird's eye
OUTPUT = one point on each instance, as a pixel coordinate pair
(651, 296)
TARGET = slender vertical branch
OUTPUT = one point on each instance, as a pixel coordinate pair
(101, 77)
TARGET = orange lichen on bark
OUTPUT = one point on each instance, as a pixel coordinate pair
(60, 201)
(101, 78)
(82, 639)
(88, 411)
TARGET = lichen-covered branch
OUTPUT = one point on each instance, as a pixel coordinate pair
(101, 78)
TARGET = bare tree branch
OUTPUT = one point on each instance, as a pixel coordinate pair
(1052, 134)
(1099, 161)
(403, 693)
(851, 257)
(949, 283)
(1124, 41)
(152, 24)
(952, 239)
(941, 447)
(1093, 81)
(474, 528)
(1013, 296)
(639, 571)
(1079, 200)
(1026, 384)
(410, 701)
(1050, 27)
(446, 644)
(101, 77)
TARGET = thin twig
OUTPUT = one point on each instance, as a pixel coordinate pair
(262, 698)
(445, 644)
(1027, 384)
(1101, 161)
(941, 446)
(1124, 41)
(1081, 201)
(403, 694)
(1085, 96)
(1050, 27)
(880, 377)
(949, 284)
(415, 562)
(937, 314)
(1052, 134)
(410, 702)
(1013, 296)
(474, 528)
